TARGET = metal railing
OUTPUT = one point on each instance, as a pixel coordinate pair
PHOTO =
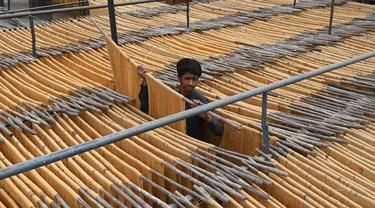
(115, 137)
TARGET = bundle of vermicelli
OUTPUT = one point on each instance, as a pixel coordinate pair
(67, 100)
(232, 83)
(82, 173)
(69, 132)
(76, 34)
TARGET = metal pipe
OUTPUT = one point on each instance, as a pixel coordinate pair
(33, 40)
(266, 138)
(187, 13)
(112, 20)
(331, 17)
(41, 7)
(72, 9)
(8, 5)
(294, 3)
(115, 137)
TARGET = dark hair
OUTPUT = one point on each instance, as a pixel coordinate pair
(187, 65)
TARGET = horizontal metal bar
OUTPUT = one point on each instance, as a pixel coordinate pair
(72, 9)
(115, 137)
(42, 7)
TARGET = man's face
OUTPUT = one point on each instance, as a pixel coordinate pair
(188, 82)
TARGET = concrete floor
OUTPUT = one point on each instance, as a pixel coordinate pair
(23, 4)
(16, 4)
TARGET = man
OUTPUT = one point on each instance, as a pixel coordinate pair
(189, 71)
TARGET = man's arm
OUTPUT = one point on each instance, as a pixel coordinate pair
(143, 94)
(215, 127)
(212, 123)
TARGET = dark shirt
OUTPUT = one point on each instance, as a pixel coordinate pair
(194, 125)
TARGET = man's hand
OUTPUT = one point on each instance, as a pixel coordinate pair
(205, 116)
(142, 72)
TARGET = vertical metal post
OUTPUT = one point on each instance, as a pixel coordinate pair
(294, 3)
(83, 12)
(1, 3)
(331, 17)
(87, 13)
(266, 138)
(187, 13)
(33, 40)
(8, 5)
(112, 20)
